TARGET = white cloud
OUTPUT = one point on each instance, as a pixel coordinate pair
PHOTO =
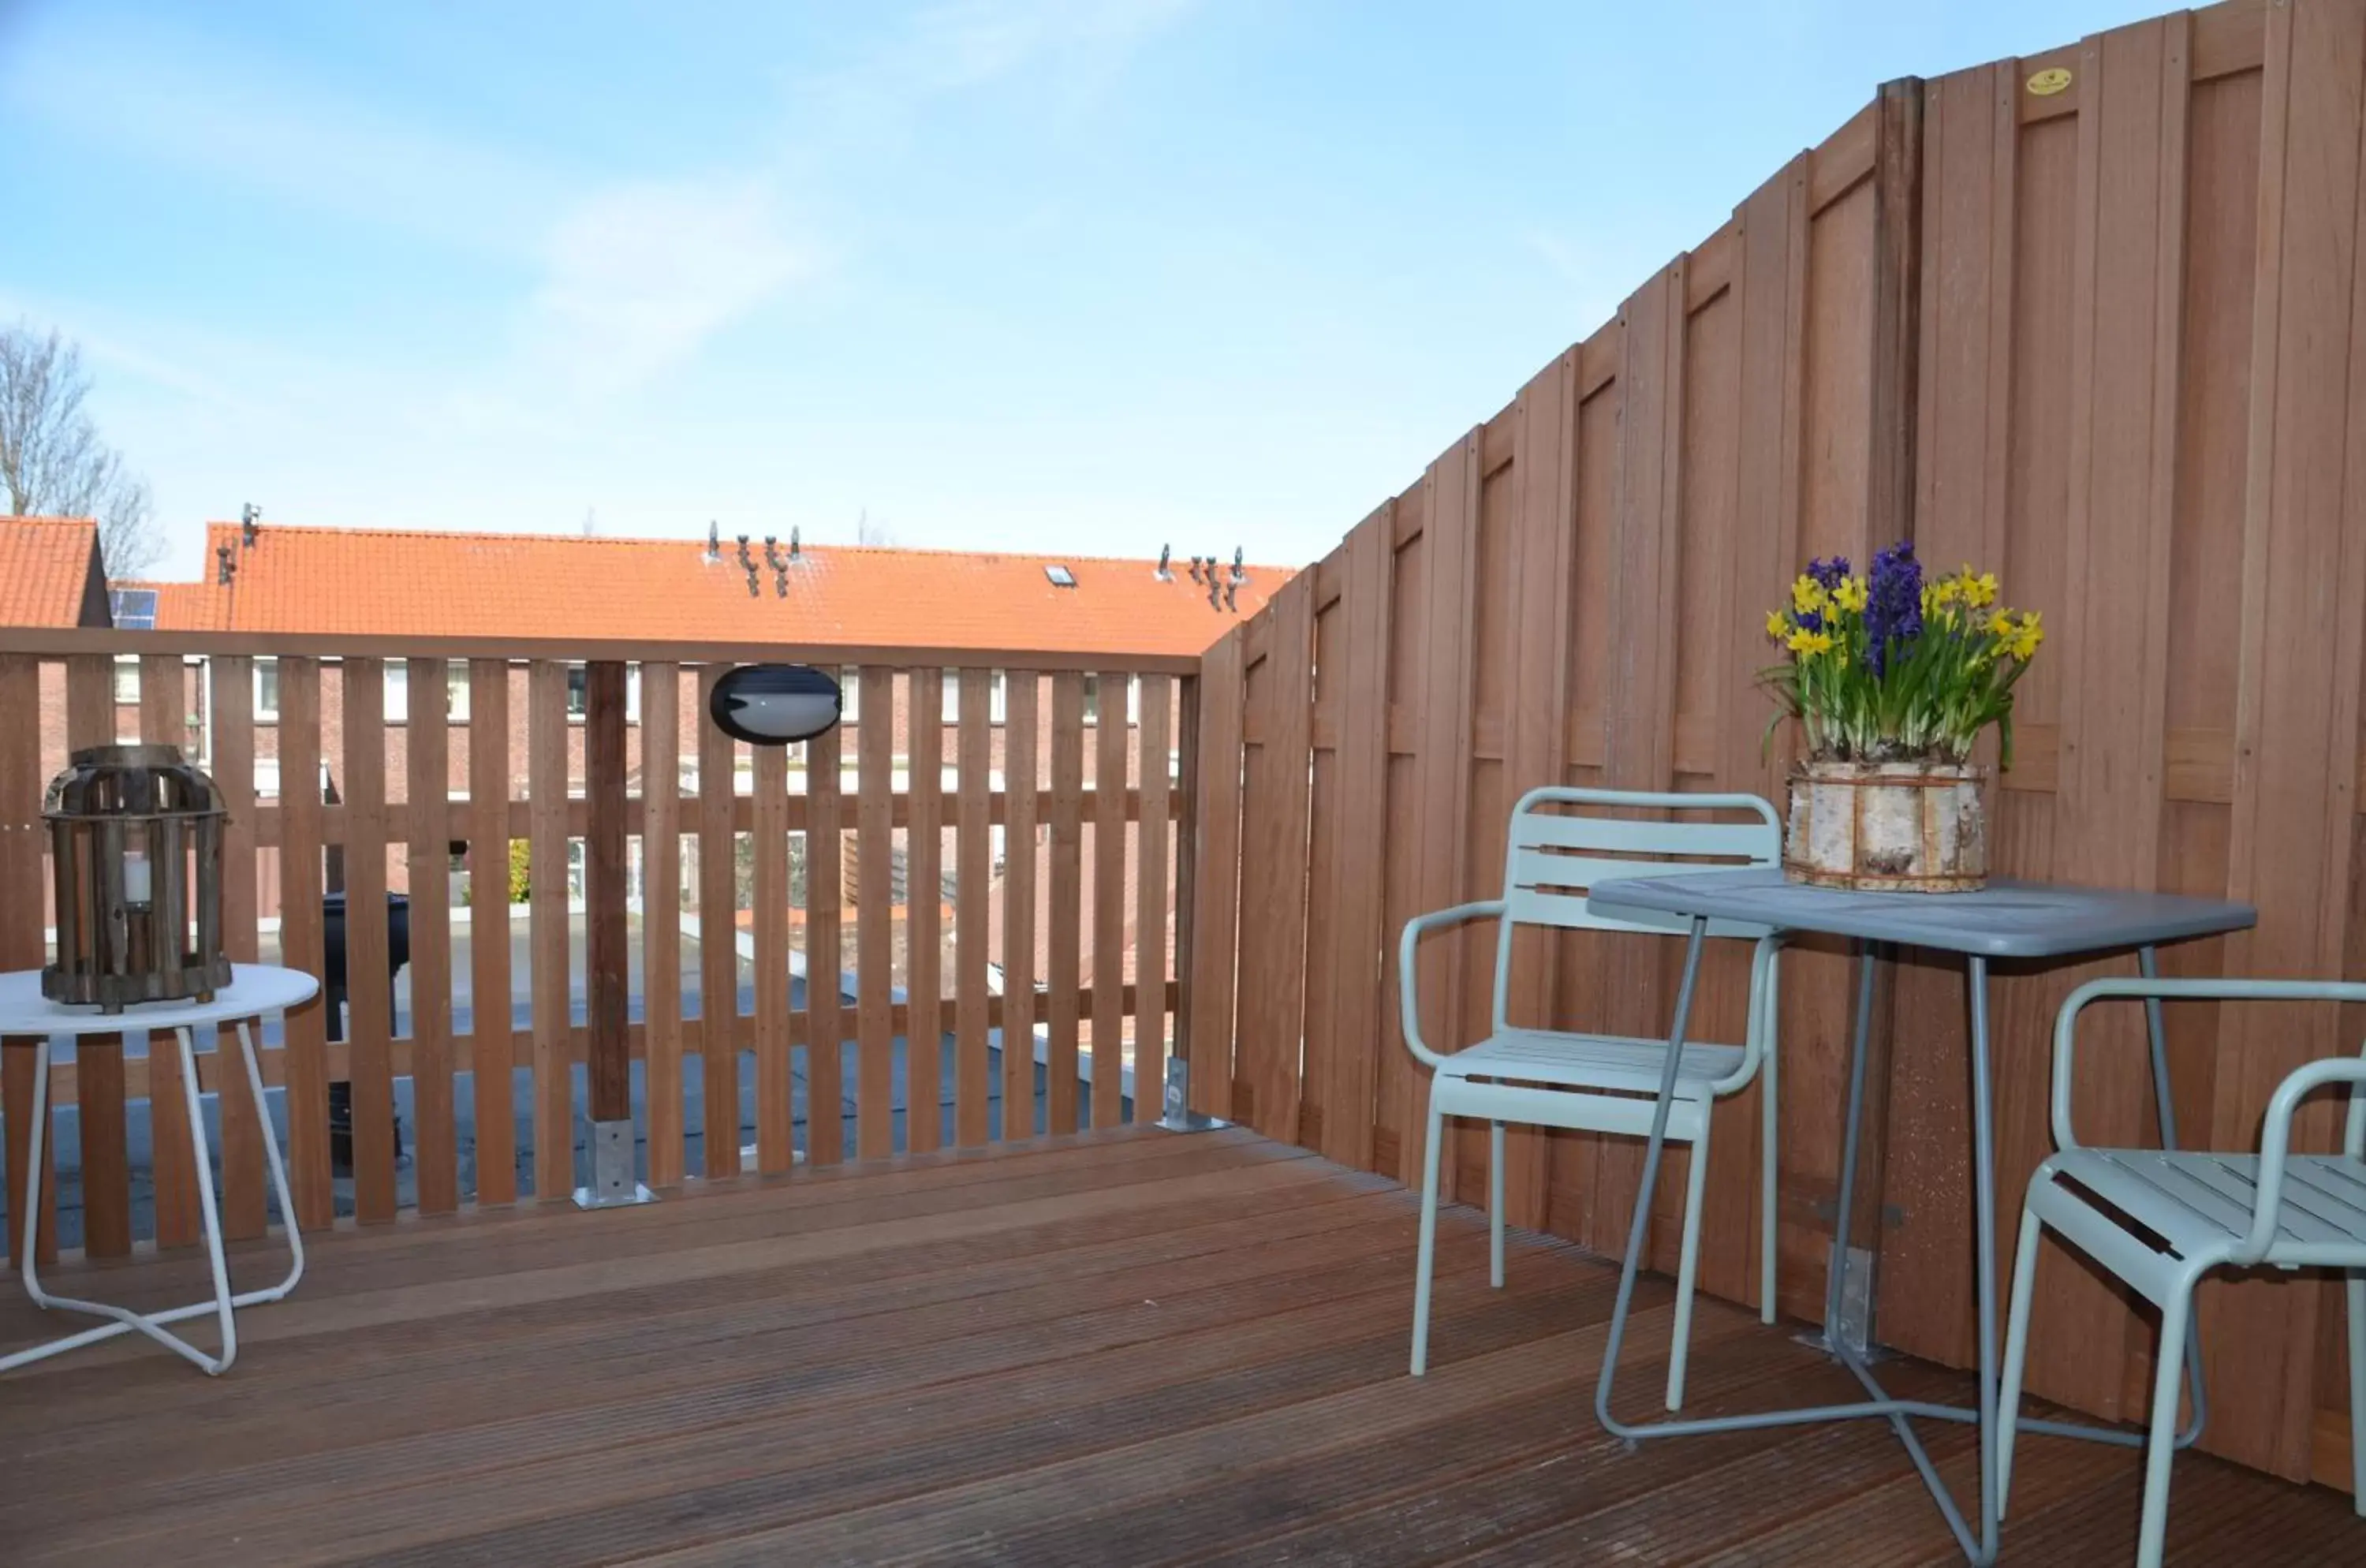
(640, 274)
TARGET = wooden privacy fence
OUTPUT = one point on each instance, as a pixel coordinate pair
(2098, 337)
(1030, 820)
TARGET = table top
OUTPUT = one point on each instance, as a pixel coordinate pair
(2005, 919)
(254, 989)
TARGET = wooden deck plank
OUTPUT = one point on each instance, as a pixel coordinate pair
(941, 1359)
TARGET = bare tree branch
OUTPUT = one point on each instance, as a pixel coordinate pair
(52, 462)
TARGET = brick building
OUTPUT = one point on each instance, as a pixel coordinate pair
(399, 585)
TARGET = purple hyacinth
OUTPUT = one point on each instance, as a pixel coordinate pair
(1893, 610)
(1808, 620)
(1827, 574)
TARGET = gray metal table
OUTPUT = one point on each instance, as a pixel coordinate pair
(2007, 920)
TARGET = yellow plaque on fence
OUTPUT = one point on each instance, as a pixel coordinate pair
(2046, 83)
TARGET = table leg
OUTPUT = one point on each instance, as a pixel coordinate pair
(1984, 1228)
(223, 1304)
(1653, 1147)
(28, 1270)
(1836, 1269)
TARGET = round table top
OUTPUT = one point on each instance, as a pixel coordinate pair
(254, 989)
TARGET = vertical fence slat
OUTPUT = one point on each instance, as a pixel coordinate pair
(1151, 889)
(163, 721)
(661, 916)
(546, 796)
(492, 1047)
(106, 1141)
(607, 957)
(21, 841)
(970, 913)
(718, 945)
(369, 999)
(874, 913)
(1357, 937)
(230, 759)
(1108, 896)
(1063, 960)
(300, 938)
(1215, 911)
(770, 926)
(1274, 845)
(1187, 855)
(1018, 905)
(825, 897)
(427, 744)
(924, 710)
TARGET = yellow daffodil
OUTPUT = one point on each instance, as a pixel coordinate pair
(1850, 594)
(2027, 636)
(1978, 589)
(2002, 623)
(1943, 592)
(1808, 595)
(1778, 626)
(1807, 643)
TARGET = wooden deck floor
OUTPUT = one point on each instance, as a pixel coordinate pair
(1136, 1348)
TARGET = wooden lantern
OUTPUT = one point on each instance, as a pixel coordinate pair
(136, 855)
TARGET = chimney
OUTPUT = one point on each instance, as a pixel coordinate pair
(744, 557)
(223, 569)
(781, 580)
(1215, 592)
(1165, 555)
(1233, 595)
(773, 551)
(1240, 573)
(714, 541)
(1195, 569)
(796, 548)
(753, 591)
(249, 517)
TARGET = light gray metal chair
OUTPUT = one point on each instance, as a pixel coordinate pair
(1599, 1082)
(2202, 1211)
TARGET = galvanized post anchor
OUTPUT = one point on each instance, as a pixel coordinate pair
(1179, 1117)
(614, 1184)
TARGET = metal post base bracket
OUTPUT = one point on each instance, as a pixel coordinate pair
(612, 1182)
(1179, 1117)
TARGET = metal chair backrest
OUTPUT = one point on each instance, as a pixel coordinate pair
(1552, 858)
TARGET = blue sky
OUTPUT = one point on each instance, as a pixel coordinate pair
(1085, 276)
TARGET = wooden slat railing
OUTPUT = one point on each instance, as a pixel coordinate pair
(495, 761)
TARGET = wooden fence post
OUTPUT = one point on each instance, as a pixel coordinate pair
(607, 957)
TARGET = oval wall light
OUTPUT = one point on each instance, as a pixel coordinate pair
(776, 704)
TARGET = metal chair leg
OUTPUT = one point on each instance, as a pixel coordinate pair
(1687, 1264)
(2160, 1445)
(2357, 1291)
(2016, 1353)
(1495, 1205)
(1428, 1255)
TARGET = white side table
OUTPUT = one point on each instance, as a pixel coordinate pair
(254, 990)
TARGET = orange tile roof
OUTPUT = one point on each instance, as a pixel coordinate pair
(370, 582)
(45, 569)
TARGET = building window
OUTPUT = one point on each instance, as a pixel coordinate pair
(1093, 700)
(127, 679)
(397, 692)
(266, 777)
(455, 684)
(849, 687)
(578, 690)
(952, 697)
(267, 690)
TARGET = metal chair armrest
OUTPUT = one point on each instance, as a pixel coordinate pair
(1415, 928)
(2275, 1143)
(2066, 1025)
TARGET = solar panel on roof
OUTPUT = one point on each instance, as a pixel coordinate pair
(134, 608)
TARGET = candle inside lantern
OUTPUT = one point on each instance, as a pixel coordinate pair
(136, 889)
